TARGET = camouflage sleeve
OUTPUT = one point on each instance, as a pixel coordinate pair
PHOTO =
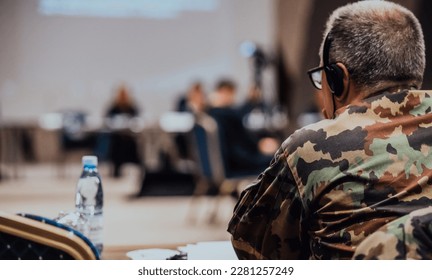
(265, 224)
(408, 237)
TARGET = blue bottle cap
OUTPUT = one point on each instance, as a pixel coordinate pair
(89, 161)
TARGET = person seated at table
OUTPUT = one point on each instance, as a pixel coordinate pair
(121, 145)
(122, 105)
(194, 101)
(242, 153)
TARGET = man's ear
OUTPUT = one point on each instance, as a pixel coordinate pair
(346, 80)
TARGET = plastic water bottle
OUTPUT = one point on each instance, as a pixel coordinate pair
(89, 200)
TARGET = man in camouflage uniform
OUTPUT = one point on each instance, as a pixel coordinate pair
(333, 183)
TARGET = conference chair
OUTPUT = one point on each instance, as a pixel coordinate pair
(31, 237)
(211, 177)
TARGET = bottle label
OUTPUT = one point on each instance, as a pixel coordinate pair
(87, 189)
(89, 202)
(95, 229)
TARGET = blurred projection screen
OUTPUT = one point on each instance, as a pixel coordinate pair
(155, 9)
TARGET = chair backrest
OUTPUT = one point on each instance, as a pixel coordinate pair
(206, 140)
(33, 237)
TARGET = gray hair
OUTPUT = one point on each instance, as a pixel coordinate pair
(381, 44)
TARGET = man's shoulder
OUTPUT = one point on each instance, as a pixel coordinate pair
(313, 132)
(353, 121)
(332, 135)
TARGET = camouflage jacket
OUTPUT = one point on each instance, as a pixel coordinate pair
(335, 182)
(408, 237)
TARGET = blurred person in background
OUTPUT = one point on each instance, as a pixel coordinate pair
(122, 105)
(242, 152)
(195, 100)
(119, 144)
(254, 101)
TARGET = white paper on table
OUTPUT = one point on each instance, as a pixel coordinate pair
(152, 254)
(211, 250)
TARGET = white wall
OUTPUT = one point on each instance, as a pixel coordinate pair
(49, 63)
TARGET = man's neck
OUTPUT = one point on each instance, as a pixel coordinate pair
(357, 95)
(391, 87)
(394, 89)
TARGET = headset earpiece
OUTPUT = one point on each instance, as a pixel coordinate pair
(335, 77)
(334, 74)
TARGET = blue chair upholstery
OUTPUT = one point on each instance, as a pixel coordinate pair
(202, 147)
(31, 237)
(210, 156)
(211, 177)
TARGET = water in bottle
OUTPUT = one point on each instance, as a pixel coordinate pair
(89, 200)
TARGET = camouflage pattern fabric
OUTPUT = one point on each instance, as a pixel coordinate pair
(409, 237)
(333, 183)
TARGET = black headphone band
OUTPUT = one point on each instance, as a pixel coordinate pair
(326, 49)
